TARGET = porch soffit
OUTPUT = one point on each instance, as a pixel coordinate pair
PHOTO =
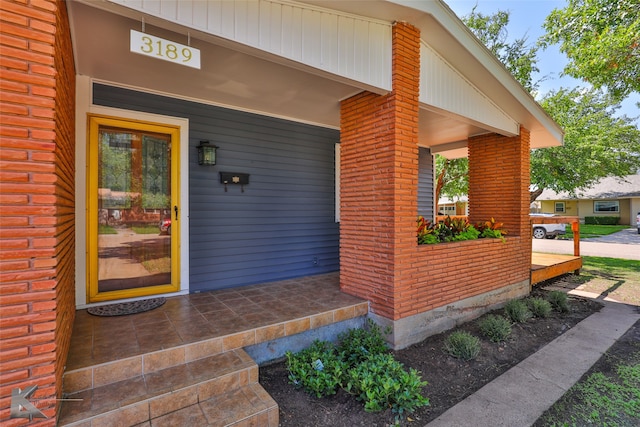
(298, 60)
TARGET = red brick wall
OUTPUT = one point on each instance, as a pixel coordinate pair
(37, 253)
(380, 259)
(379, 175)
(499, 181)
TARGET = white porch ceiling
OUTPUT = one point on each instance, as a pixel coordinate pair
(239, 76)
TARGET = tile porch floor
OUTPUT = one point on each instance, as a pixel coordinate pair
(291, 305)
(112, 354)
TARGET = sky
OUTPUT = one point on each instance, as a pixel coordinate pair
(526, 18)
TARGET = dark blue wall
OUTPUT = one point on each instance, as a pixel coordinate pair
(425, 183)
(283, 225)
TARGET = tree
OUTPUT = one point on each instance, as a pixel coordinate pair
(602, 40)
(596, 144)
(518, 57)
(451, 177)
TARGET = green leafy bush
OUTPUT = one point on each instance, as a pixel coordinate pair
(539, 307)
(559, 301)
(462, 345)
(356, 345)
(381, 382)
(362, 364)
(469, 234)
(456, 229)
(317, 369)
(517, 311)
(601, 220)
(495, 327)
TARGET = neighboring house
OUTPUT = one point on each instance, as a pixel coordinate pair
(609, 197)
(447, 206)
(297, 96)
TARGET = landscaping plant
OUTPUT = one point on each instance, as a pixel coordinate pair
(456, 229)
(317, 369)
(517, 311)
(381, 382)
(495, 327)
(462, 345)
(539, 307)
(559, 301)
(362, 365)
(356, 345)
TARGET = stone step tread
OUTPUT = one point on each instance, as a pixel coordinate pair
(166, 390)
(247, 406)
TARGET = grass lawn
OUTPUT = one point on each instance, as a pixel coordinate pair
(609, 394)
(588, 230)
(106, 229)
(146, 229)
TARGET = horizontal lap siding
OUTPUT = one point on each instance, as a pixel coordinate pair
(285, 217)
(425, 182)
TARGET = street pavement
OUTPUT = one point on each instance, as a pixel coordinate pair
(624, 244)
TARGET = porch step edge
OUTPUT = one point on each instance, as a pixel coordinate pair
(155, 394)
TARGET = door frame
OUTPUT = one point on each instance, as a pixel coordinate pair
(95, 122)
(84, 106)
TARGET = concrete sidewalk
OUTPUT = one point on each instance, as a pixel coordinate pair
(521, 395)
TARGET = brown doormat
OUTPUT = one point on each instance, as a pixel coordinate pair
(125, 308)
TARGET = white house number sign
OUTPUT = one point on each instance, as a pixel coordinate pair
(146, 44)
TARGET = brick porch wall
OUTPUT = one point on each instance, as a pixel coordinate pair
(380, 258)
(379, 178)
(37, 230)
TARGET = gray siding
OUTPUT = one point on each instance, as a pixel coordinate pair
(283, 224)
(425, 183)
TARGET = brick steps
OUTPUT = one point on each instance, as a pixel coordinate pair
(217, 390)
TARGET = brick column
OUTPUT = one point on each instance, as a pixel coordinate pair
(37, 231)
(379, 178)
(499, 175)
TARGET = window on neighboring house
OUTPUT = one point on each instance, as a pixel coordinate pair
(606, 206)
(559, 207)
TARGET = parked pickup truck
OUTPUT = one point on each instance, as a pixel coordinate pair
(548, 231)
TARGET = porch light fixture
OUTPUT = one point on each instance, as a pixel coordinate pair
(206, 153)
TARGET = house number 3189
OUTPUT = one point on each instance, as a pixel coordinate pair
(156, 47)
(163, 48)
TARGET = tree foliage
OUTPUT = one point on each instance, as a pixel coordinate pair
(601, 38)
(596, 144)
(517, 56)
(451, 177)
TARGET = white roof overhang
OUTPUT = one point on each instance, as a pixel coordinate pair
(297, 60)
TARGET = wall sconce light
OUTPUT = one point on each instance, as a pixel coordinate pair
(206, 153)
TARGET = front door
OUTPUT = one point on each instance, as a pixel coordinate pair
(133, 212)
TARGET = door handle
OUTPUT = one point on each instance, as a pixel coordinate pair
(175, 209)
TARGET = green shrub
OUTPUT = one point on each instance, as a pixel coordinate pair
(559, 301)
(362, 365)
(469, 234)
(601, 220)
(539, 307)
(317, 369)
(356, 345)
(496, 328)
(462, 345)
(381, 382)
(517, 311)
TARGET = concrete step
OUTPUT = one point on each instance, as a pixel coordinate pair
(222, 388)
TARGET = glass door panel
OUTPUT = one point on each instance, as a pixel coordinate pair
(135, 210)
